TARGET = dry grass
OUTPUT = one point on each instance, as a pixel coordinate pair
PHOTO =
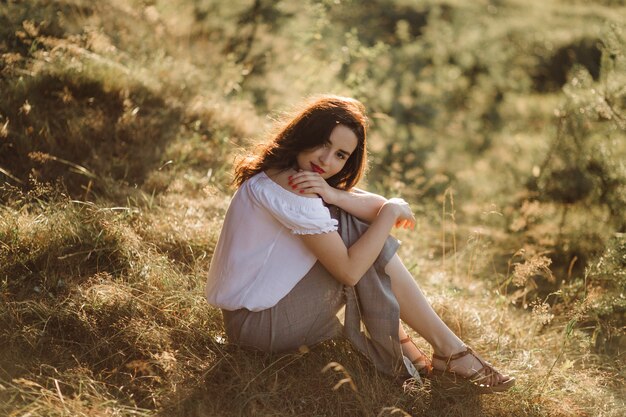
(136, 337)
(119, 123)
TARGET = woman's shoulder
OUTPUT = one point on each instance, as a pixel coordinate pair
(273, 188)
(280, 177)
(300, 214)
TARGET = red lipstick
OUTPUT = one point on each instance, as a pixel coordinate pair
(317, 169)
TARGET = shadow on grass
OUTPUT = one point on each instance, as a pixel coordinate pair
(243, 382)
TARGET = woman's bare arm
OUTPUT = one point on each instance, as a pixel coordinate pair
(361, 204)
(348, 265)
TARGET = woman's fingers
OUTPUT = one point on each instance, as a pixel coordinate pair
(310, 182)
(405, 224)
(300, 182)
(306, 186)
(305, 179)
(405, 217)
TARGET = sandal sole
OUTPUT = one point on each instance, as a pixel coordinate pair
(456, 381)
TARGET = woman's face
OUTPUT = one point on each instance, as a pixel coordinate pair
(328, 159)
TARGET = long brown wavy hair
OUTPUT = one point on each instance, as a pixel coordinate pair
(309, 128)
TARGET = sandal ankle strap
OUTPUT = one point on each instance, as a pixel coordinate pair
(454, 356)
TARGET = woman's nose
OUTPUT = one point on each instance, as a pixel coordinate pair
(325, 157)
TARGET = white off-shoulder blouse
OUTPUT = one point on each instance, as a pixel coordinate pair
(259, 257)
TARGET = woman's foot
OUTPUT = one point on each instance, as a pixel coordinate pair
(418, 358)
(467, 365)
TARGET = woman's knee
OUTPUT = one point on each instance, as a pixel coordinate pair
(395, 266)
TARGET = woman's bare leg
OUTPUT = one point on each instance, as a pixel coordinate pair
(416, 311)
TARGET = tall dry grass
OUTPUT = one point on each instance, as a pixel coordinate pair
(119, 122)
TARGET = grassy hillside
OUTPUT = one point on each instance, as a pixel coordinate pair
(502, 122)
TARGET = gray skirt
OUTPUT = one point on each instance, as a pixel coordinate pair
(319, 308)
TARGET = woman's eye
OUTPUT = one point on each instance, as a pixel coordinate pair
(340, 155)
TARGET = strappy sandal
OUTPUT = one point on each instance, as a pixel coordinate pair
(479, 379)
(423, 364)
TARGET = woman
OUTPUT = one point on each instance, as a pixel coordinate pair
(304, 256)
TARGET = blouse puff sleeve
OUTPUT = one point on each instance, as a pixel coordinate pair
(301, 215)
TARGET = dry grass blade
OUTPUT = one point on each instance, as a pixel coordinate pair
(141, 107)
(13, 177)
(337, 367)
(392, 411)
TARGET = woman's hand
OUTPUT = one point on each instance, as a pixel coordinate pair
(402, 212)
(307, 182)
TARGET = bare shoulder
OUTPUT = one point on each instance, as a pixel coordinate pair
(281, 178)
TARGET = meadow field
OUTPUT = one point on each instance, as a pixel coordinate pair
(502, 122)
